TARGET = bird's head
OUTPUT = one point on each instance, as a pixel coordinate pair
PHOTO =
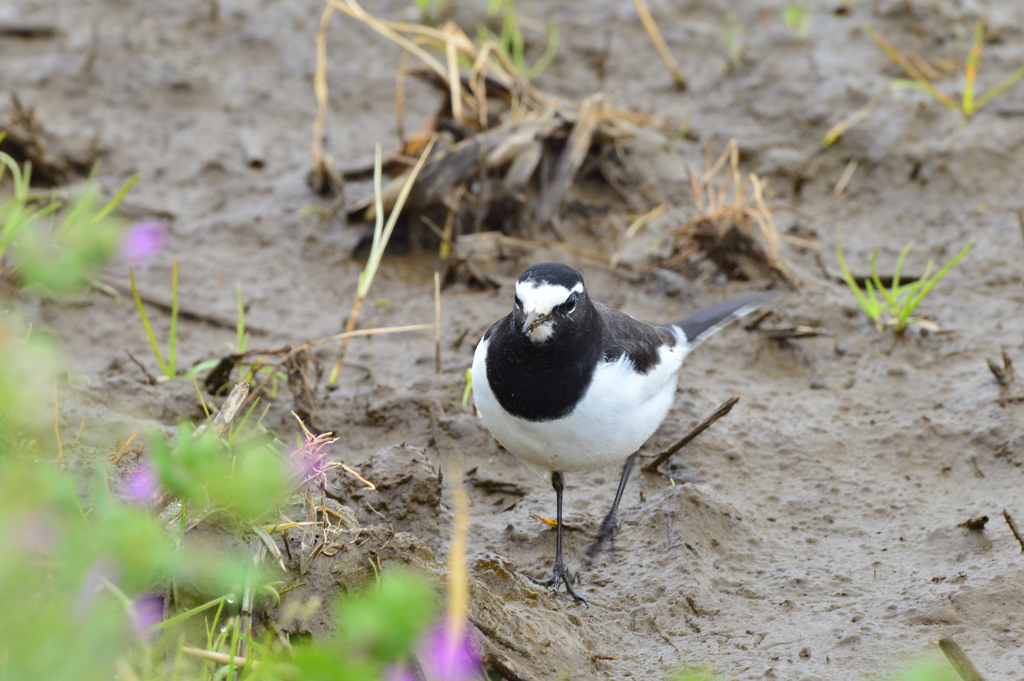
(550, 298)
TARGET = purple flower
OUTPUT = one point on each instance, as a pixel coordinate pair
(142, 241)
(447, 654)
(147, 610)
(102, 571)
(141, 484)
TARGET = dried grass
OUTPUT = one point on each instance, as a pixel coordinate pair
(734, 226)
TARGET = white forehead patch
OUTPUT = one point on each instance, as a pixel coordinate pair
(543, 298)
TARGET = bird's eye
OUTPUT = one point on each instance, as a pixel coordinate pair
(570, 304)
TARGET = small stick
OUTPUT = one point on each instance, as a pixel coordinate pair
(252, 148)
(593, 110)
(659, 42)
(958, 658)
(369, 485)
(81, 427)
(1013, 528)
(437, 322)
(222, 658)
(115, 458)
(1004, 374)
(847, 175)
(663, 456)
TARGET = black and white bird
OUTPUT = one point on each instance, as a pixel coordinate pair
(568, 385)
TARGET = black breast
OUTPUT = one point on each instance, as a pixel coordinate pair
(542, 382)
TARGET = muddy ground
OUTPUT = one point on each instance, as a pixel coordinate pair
(815, 533)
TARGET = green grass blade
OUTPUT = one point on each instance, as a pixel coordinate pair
(850, 282)
(971, 67)
(145, 323)
(886, 295)
(549, 52)
(899, 267)
(201, 367)
(938, 277)
(189, 613)
(118, 197)
(232, 434)
(875, 309)
(999, 88)
(172, 341)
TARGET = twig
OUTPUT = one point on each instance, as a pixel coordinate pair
(81, 427)
(659, 42)
(593, 110)
(842, 126)
(437, 322)
(116, 456)
(222, 658)
(149, 377)
(231, 406)
(631, 232)
(1013, 528)
(369, 485)
(851, 168)
(663, 456)
(958, 658)
(1004, 374)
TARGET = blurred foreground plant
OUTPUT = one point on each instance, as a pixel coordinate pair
(59, 256)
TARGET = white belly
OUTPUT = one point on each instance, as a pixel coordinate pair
(619, 411)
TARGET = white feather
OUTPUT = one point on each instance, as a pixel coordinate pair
(618, 412)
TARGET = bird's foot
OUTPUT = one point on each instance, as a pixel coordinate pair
(560, 576)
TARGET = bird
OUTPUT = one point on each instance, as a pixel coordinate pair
(569, 385)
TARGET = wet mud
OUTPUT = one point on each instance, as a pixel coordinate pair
(813, 533)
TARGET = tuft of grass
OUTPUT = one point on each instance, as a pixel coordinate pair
(733, 221)
(168, 366)
(894, 305)
(381, 235)
(510, 43)
(56, 255)
(969, 103)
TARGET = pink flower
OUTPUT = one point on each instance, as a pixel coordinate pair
(142, 483)
(142, 241)
(447, 655)
(147, 610)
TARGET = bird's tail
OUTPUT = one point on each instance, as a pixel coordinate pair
(703, 324)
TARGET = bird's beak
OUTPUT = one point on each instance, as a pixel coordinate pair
(533, 320)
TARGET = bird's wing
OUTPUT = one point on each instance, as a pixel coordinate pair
(639, 341)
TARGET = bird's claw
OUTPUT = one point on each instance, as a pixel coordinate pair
(559, 576)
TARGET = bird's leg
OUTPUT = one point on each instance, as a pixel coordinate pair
(561, 573)
(611, 521)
